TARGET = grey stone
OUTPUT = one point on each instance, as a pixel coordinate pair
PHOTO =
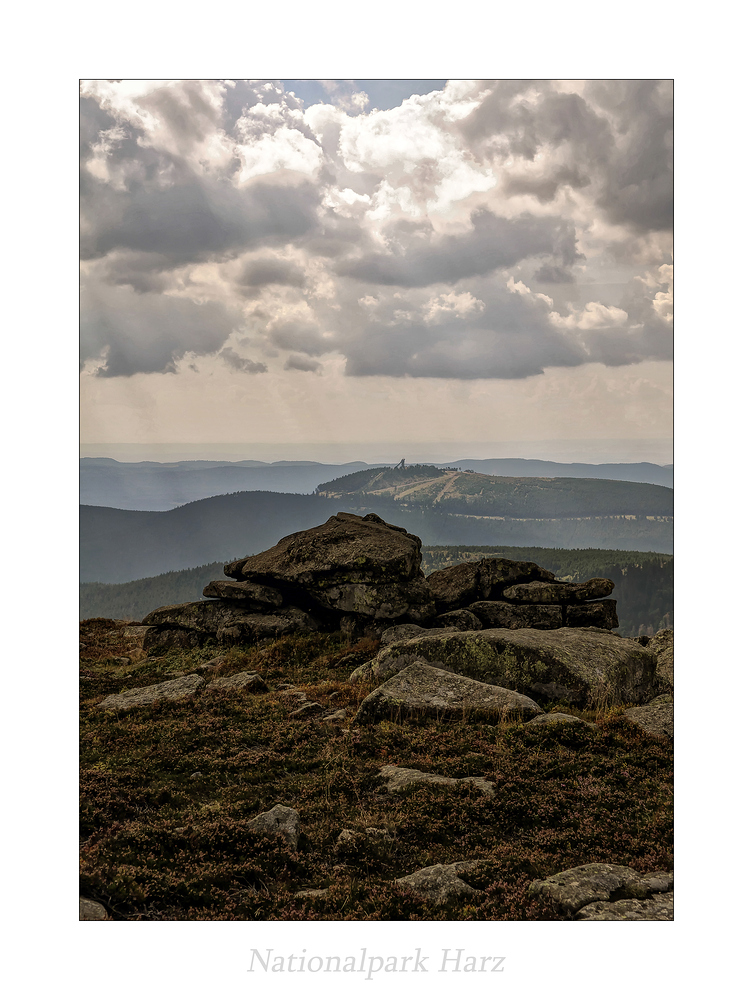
(243, 681)
(657, 719)
(579, 667)
(596, 614)
(400, 778)
(310, 893)
(175, 690)
(458, 586)
(88, 909)
(392, 599)
(244, 590)
(660, 907)
(439, 883)
(346, 549)
(504, 614)
(306, 710)
(463, 620)
(340, 715)
(279, 820)
(554, 592)
(662, 645)
(423, 690)
(571, 890)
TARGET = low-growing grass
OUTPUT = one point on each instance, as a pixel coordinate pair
(167, 792)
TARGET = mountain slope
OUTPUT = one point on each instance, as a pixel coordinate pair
(502, 496)
(122, 545)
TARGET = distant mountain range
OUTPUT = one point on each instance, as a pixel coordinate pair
(440, 506)
(162, 486)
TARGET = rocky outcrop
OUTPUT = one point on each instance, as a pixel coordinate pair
(572, 891)
(350, 573)
(580, 667)
(362, 576)
(422, 690)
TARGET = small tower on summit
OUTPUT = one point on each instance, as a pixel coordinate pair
(400, 464)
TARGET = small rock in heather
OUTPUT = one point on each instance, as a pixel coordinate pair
(279, 819)
(245, 680)
(656, 718)
(399, 778)
(439, 883)
(307, 709)
(89, 910)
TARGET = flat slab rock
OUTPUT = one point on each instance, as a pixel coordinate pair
(657, 718)
(400, 778)
(243, 681)
(175, 690)
(440, 883)
(554, 592)
(572, 665)
(569, 891)
(423, 690)
(458, 586)
(346, 549)
(661, 907)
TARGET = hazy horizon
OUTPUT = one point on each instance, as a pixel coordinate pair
(658, 452)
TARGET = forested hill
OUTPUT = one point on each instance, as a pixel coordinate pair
(121, 545)
(643, 582)
(475, 493)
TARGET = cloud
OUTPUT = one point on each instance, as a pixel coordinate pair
(419, 257)
(147, 332)
(239, 364)
(402, 240)
(271, 271)
(299, 363)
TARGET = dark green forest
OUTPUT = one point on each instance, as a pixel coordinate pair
(644, 582)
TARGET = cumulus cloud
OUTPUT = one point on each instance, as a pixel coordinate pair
(239, 364)
(299, 363)
(147, 332)
(409, 241)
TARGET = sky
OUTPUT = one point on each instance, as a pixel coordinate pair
(361, 269)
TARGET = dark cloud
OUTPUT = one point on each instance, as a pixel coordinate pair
(553, 275)
(239, 364)
(147, 332)
(493, 242)
(616, 138)
(510, 338)
(304, 337)
(299, 363)
(271, 271)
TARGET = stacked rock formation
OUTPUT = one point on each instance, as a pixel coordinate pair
(505, 594)
(362, 576)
